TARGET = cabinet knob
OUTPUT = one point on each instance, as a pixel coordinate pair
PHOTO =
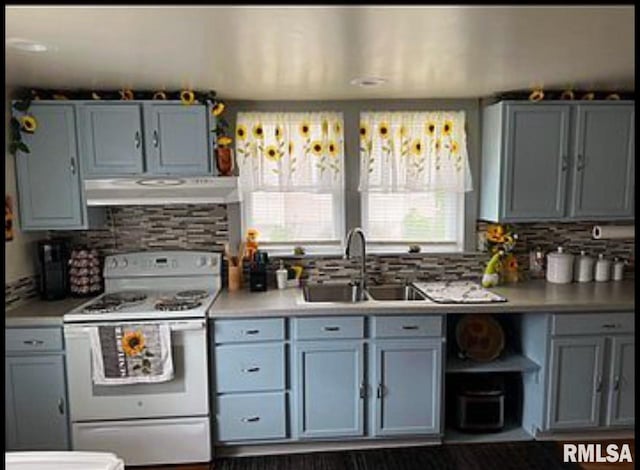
(155, 138)
(380, 391)
(565, 163)
(136, 139)
(72, 166)
(599, 384)
(363, 391)
(61, 406)
(580, 165)
(616, 383)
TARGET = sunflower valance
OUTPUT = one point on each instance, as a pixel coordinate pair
(414, 151)
(290, 151)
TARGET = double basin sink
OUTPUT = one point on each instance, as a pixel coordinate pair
(346, 293)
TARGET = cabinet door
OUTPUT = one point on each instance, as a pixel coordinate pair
(621, 410)
(177, 139)
(329, 388)
(111, 137)
(604, 154)
(35, 403)
(576, 382)
(49, 184)
(407, 381)
(535, 162)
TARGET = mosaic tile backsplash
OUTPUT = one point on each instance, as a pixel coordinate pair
(20, 291)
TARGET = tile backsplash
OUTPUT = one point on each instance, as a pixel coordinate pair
(19, 291)
(206, 227)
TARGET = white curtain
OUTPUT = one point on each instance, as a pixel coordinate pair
(290, 151)
(414, 152)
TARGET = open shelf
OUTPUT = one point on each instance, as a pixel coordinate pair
(510, 363)
(511, 432)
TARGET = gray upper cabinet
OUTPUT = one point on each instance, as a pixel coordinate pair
(621, 410)
(557, 161)
(111, 138)
(604, 162)
(49, 181)
(176, 139)
(407, 382)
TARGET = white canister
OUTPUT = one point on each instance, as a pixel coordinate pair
(603, 269)
(583, 271)
(618, 270)
(559, 267)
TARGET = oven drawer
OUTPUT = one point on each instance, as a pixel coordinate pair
(409, 326)
(329, 327)
(249, 367)
(591, 323)
(33, 339)
(251, 417)
(235, 331)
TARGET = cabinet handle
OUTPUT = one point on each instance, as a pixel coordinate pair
(565, 163)
(363, 391)
(380, 391)
(61, 406)
(410, 327)
(616, 383)
(599, 384)
(251, 369)
(33, 342)
(331, 328)
(609, 325)
(72, 166)
(136, 139)
(251, 332)
(252, 419)
(155, 138)
(580, 165)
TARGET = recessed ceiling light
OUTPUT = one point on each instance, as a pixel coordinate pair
(26, 45)
(368, 81)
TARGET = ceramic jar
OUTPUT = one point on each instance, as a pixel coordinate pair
(559, 267)
(618, 270)
(603, 269)
(583, 271)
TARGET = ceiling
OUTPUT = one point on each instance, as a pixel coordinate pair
(310, 52)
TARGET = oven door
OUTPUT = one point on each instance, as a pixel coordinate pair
(185, 395)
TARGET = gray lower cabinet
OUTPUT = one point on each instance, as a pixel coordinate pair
(621, 405)
(49, 183)
(330, 388)
(407, 377)
(35, 391)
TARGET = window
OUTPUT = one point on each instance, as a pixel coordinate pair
(292, 178)
(413, 175)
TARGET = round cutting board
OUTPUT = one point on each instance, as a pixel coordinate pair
(480, 337)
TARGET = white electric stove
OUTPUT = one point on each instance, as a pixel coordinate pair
(140, 422)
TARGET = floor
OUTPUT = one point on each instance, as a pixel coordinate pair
(510, 456)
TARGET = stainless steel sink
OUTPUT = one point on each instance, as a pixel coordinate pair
(333, 293)
(397, 292)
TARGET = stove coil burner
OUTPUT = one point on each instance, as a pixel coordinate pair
(103, 306)
(174, 305)
(125, 297)
(191, 295)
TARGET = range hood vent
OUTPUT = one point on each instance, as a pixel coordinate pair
(161, 191)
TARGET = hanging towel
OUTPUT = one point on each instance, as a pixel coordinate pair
(131, 353)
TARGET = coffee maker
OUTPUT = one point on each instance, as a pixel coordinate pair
(53, 258)
(258, 271)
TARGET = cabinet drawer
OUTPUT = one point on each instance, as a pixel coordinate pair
(235, 331)
(409, 326)
(251, 417)
(33, 339)
(249, 367)
(329, 327)
(584, 323)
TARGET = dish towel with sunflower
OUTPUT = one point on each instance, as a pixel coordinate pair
(131, 353)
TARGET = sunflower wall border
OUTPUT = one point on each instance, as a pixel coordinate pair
(27, 124)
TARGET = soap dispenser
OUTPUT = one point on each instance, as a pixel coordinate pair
(281, 276)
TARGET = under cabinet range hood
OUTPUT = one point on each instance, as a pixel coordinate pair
(161, 191)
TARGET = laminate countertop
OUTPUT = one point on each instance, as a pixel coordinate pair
(530, 296)
(41, 312)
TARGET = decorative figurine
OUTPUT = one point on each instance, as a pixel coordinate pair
(252, 243)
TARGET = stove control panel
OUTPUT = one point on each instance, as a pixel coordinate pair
(166, 263)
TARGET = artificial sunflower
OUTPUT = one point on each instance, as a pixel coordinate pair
(447, 127)
(258, 131)
(316, 147)
(364, 131)
(126, 95)
(241, 132)
(218, 109)
(416, 147)
(332, 148)
(224, 141)
(431, 128)
(495, 233)
(383, 129)
(28, 124)
(272, 153)
(133, 343)
(187, 97)
(305, 129)
(160, 95)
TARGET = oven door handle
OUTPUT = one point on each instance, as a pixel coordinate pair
(187, 326)
(76, 331)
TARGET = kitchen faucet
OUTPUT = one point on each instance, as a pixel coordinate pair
(347, 255)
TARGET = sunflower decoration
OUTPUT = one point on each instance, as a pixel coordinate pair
(338, 127)
(187, 97)
(430, 126)
(383, 130)
(272, 153)
(159, 96)
(416, 147)
(133, 343)
(258, 131)
(364, 131)
(28, 124)
(305, 129)
(218, 108)
(502, 239)
(447, 127)
(332, 148)
(316, 148)
(279, 132)
(126, 95)
(291, 147)
(454, 148)
(325, 127)
(241, 132)
(403, 131)
(224, 141)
